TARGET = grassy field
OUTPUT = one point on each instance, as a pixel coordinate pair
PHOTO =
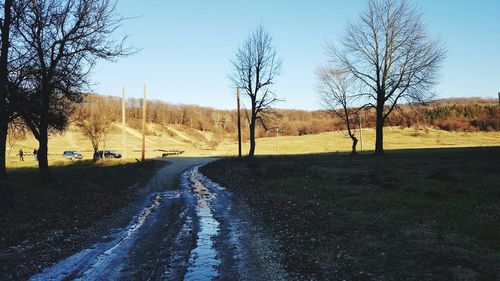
(427, 214)
(42, 223)
(431, 213)
(196, 143)
(332, 197)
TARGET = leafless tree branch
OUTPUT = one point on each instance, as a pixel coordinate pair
(255, 67)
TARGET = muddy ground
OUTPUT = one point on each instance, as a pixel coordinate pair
(183, 226)
(43, 224)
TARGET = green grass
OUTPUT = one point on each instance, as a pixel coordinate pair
(411, 214)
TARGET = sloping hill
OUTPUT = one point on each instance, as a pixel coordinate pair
(157, 139)
(198, 143)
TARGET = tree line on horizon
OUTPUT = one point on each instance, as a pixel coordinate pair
(453, 114)
(96, 114)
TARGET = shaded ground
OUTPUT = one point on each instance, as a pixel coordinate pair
(44, 224)
(428, 214)
(196, 232)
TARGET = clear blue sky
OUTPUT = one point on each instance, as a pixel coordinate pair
(187, 45)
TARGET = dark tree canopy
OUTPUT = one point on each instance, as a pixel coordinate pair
(10, 62)
(64, 40)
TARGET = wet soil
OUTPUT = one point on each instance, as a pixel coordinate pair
(44, 224)
(198, 231)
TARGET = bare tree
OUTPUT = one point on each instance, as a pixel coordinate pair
(255, 67)
(95, 121)
(388, 49)
(339, 99)
(16, 131)
(66, 38)
(10, 11)
(4, 52)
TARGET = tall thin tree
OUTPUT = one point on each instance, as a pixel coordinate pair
(255, 67)
(4, 53)
(339, 98)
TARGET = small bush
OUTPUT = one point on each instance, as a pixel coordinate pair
(213, 143)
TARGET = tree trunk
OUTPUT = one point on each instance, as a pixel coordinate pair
(5, 190)
(43, 163)
(95, 156)
(379, 131)
(4, 53)
(354, 143)
(3, 142)
(252, 138)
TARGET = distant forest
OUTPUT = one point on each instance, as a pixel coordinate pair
(464, 114)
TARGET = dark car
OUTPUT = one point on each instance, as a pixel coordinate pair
(71, 155)
(110, 154)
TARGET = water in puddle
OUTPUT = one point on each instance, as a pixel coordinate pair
(203, 259)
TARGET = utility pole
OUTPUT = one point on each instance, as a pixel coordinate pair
(239, 120)
(143, 155)
(360, 132)
(277, 140)
(124, 150)
(498, 104)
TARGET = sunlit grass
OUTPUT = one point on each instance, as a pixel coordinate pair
(185, 139)
(394, 138)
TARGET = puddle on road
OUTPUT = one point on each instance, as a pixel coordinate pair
(204, 201)
(203, 260)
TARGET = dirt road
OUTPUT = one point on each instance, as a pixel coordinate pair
(198, 231)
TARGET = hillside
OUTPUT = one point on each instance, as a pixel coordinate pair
(199, 143)
(463, 114)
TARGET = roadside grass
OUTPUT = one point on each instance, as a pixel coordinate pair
(429, 214)
(43, 223)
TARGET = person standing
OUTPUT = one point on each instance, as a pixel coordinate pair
(35, 154)
(21, 155)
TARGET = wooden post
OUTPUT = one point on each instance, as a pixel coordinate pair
(277, 140)
(239, 121)
(360, 133)
(498, 104)
(143, 155)
(124, 149)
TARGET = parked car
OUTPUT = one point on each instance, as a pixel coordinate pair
(71, 155)
(110, 154)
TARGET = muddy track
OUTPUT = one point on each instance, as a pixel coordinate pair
(199, 231)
